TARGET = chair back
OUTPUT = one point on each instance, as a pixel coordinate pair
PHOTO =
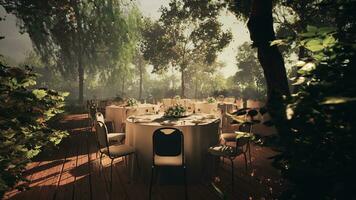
(99, 117)
(168, 142)
(246, 127)
(92, 110)
(101, 134)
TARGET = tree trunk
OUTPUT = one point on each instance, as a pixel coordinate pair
(182, 94)
(141, 82)
(123, 87)
(196, 90)
(78, 37)
(260, 25)
(81, 79)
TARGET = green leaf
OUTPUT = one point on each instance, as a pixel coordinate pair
(299, 81)
(278, 42)
(39, 93)
(329, 41)
(314, 45)
(326, 30)
(300, 64)
(337, 100)
(312, 28)
(307, 68)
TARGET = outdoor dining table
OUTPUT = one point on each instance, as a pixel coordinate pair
(118, 114)
(200, 132)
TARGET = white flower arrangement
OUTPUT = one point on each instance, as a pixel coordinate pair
(175, 111)
(131, 102)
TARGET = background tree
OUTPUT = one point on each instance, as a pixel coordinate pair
(78, 36)
(177, 38)
(249, 75)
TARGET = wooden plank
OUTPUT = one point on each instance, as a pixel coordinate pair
(82, 183)
(65, 187)
(97, 181)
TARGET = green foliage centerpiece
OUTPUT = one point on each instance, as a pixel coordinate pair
(211, 100)
(131, 102)
(176, 111)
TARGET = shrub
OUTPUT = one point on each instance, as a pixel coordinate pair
(26, 113)
(319, 157)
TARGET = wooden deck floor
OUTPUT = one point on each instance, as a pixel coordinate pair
(72, 172)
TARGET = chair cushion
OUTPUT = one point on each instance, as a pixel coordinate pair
(224, 150)
(119, 150)
(228, 137)
(116, 136)
(168, 160)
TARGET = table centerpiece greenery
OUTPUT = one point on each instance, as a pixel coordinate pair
(211, 100)
(131, 102)
(175, 111)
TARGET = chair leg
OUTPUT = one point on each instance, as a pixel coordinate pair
(100, 163)
(232, 174)
(112, 160)
(245, 156)
(136, 160)
(185, 182)
(150, 190)
(249, 153)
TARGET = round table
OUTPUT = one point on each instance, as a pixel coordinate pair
(118, 114)
(205, 107)
(197, 139)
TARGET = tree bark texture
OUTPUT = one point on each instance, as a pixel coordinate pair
(260, 25)
(79, 41)
(141, 81)
(182, 94)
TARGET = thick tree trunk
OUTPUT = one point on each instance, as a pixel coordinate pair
(123, 87)
(182, 94)
(260, 25)
(79, 33)
(141, 83)
(81, 80)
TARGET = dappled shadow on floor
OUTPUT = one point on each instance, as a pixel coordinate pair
(72, 172)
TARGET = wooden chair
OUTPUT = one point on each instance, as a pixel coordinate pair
(168, 150)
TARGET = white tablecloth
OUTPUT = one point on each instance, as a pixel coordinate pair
(118, 114)
(204, 107)
(197, 139)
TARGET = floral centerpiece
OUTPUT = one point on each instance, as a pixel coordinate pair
(131, 102)
(211, 100)
(175, 111)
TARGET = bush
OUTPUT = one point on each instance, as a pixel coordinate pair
(319, 158)
(26, 113)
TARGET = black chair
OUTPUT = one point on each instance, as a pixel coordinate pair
(168, 151)
(112, 151)
(242, 146)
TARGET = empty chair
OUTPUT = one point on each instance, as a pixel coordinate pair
(112, 151)
(112, 135)
(244, 132)
(242, 146)
(168, 150)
